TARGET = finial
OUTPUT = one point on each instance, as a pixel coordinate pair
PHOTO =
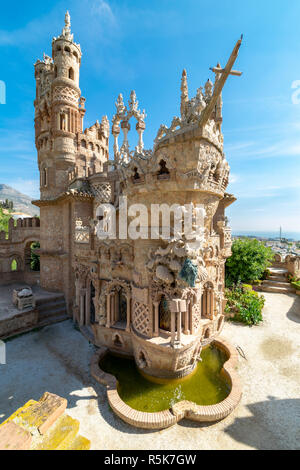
(184, 93)
(67, 19)
(67, 29)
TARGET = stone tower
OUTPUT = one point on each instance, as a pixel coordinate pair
(64, 151)
(58, 114)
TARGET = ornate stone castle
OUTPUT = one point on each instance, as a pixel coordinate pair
(159, 300)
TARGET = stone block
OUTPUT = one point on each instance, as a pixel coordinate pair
(13, 437)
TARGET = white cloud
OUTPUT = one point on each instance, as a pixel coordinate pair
(103, 9)
(233, 178)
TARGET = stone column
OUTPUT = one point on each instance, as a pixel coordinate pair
(116, 307)
(173, 328)
(186, 330)
(179, 327)
(128, 311)
(156, 319)
(212, 304)
(81, 321)
(140, 127)
(191, 304)
(88, 305)
(108, 311)
(115, 133)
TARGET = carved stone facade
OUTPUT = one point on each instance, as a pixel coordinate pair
(159, 300)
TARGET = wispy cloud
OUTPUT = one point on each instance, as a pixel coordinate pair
(104, 11)
(28, 187)
(257, 150)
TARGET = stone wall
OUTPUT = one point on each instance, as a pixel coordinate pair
(19, 323)
(292, 264)
(17, 248)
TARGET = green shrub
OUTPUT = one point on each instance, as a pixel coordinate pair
(249, 261)
(296, 285)
(244, 304)
(292, 278)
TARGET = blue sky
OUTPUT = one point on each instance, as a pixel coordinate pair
(144, 45)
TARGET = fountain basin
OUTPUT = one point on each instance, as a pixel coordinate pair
(210, 393)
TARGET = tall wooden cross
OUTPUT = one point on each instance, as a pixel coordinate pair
(224, 74)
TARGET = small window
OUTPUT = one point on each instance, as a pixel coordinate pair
(71, 73)
(163, 170)
(83, 144)
(55, 72)
(67, 49)
(91, 147)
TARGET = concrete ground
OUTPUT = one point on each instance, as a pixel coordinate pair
(56, 359)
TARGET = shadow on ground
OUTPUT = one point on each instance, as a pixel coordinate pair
(262, 430)
(294, 312)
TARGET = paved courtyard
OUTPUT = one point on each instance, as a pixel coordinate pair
(56, 359)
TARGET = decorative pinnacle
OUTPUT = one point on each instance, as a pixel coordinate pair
(184, 93)
(67, 29)
(67, 20)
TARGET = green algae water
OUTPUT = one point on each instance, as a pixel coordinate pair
(205, 386)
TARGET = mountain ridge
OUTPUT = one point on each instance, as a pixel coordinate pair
(22, 202)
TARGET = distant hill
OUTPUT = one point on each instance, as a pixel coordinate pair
(22, 203)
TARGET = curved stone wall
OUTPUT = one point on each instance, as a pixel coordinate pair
(182, 409)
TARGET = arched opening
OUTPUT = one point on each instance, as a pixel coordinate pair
(63, 122)
(163, 171)
(164, 315)
(32, 258)
(142, 360)
(117, 341)
(14, 265)
(44, 177)
(83, 144)
(71, 73)
(67, 49)
(136, 175)
(207, 333)
(92, 305)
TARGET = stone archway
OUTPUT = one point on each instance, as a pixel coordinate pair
(31, 258)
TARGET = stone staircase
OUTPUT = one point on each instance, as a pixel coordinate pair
(277, 282)
(42, 425)
(51, 309)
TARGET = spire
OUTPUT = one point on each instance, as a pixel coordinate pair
(184, 93)
(67, 29)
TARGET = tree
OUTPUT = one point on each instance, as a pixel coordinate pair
(4, 218)
(249, 260)
(35, 258)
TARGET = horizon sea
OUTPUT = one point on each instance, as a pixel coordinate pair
(266, 234)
